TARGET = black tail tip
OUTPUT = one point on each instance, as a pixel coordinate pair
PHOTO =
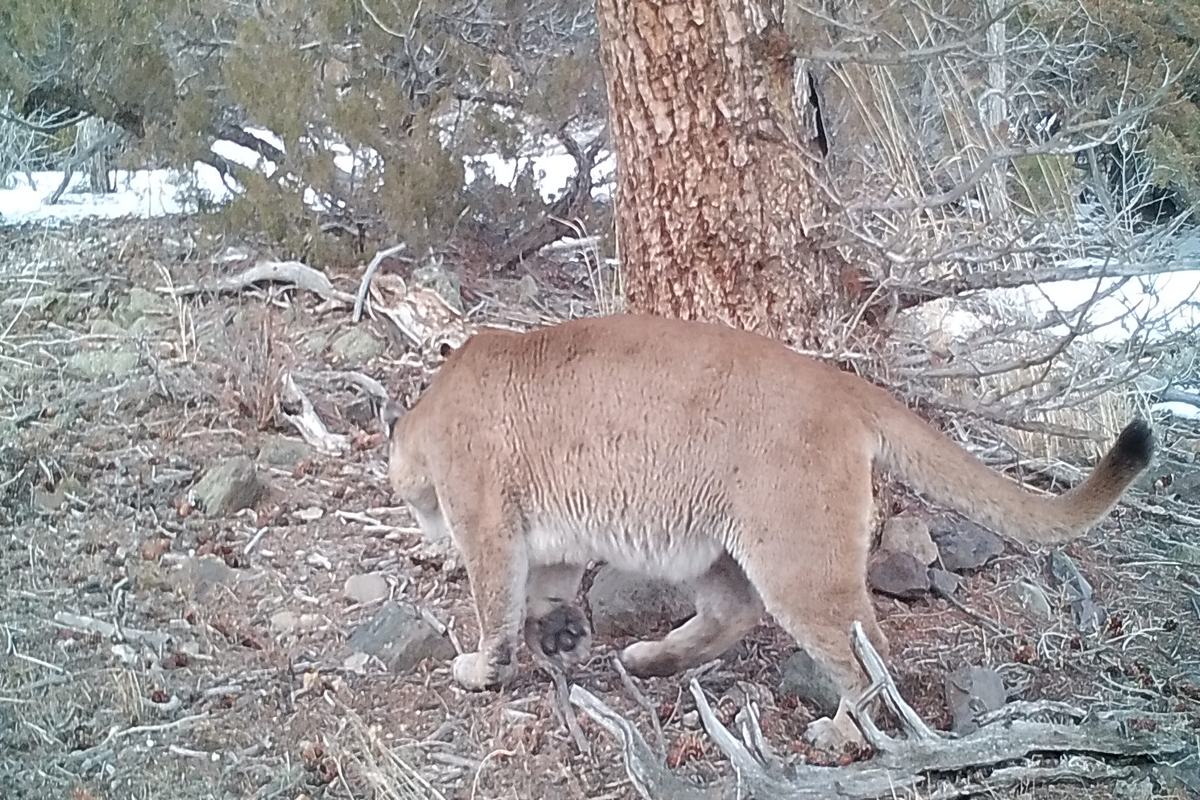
(1135, 445)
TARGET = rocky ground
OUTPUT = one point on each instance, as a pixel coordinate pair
(197, 603)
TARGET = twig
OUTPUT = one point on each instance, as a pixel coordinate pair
(648, 776)
(483, 763)
(255, 539)
(39, 662)
(365, 287)
(987, 622)
(563, 695)
(644, 702)
(156, 640)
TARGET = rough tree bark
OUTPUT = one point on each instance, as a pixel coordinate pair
(718, 211)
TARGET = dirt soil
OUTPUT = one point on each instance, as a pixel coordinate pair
(230, 676)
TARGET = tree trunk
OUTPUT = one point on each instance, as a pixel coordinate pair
(719, 214)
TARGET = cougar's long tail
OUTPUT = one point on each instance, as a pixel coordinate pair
(939, 467)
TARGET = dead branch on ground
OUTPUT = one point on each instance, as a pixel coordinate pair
(922, 757)
(298, 275)
(306, 421)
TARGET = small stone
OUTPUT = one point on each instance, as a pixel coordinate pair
(356, 346)
(624, 604)
(1088, 614)
(1032, 599)
(310, 514)
(319, 560)
(198, 575)
(527, 288)
(690, 719)
(804, 678)
(971, 692)
(283, 452)
(965, 545)
(106, 327)
(227, 488)
(1064, 571)
(368, 588)
(125, 654)
(96, 364)
(400, 637)
(943, 582)
(909, 534)
(154, 547)
(284, 622)
(140, 303)
(356, 663)
(898, 575)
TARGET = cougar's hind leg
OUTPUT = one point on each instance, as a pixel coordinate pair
(727, 608)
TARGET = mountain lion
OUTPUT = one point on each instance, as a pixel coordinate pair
(692, 452)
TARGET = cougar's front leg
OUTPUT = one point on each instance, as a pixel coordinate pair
(493, 548)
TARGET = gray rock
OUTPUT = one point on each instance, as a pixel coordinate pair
(631, 605)
(970, 692)
(369, 587)
(284, 622)
(227, 488)
(446, 284)
(198, 575)
(140, 303)
(943, 582)
(1033, 599)
(909, 534)
(1087, 613)
(898, 575)
(95, 364)
(400, 637)
(965, 545)
(313, 342)
(804, 678)
(1064, 571)
(1134, 789)
(356, 346)
(527, 288)
(106, 327)
(283, 451)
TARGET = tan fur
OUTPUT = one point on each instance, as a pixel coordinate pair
(693, 452)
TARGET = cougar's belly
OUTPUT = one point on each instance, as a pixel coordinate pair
(651, 547)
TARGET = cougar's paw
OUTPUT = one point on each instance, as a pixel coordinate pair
(561, 635)
(479, 672)
(649, 660)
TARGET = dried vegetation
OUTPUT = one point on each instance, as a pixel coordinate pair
(149, 650)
